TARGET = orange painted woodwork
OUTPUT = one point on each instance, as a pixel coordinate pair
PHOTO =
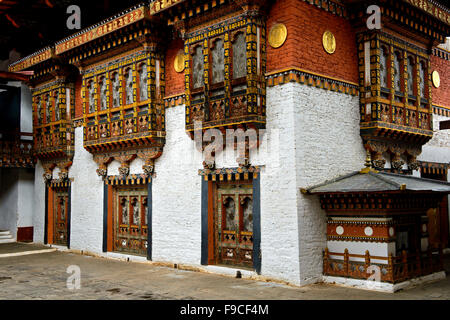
(109, 243)
(78, 98)
(211, 243)
(50, 221)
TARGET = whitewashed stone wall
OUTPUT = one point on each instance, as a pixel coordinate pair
(8, 200)
(177, 195)
(87, 200)
(39, 204)
(25, 204)
(319, 140)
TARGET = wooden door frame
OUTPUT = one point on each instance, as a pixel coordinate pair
(108, 214)
(208, 206)
(49, 221)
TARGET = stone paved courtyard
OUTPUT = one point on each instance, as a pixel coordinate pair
(43, 276)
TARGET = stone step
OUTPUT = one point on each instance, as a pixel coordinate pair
(6, 236)
(7, 240)
(4, 232)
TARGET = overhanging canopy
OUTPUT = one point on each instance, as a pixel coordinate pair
(374, 181)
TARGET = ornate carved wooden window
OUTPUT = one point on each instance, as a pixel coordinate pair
(132, 97)
(54, 107)
(224, 81)
(394, 103)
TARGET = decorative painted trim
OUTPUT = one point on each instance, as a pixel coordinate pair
(441, 53)
(360, 239)
(60, 184)
(441, 110)
(431, 7)
(228, 174)
(131, 180)
(31, 60)
(434, 167)
(311, 79)
(102, 28)
(362, 222)
(175, 100)
(330, 6)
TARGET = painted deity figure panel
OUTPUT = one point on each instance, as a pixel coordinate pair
(103, 104)
(239, 56)
(129, 86)
(198, 66)
(116, 90)
(57, 110)
(91, 89)
(47, 109)
(218, 62)
(143, 77)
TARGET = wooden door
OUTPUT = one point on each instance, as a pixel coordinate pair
(60, 209)
(130, 220)
(234, 224)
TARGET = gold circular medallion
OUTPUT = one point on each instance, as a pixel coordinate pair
(178, 62)
(277, 35)
(329, 42)
(436, 79)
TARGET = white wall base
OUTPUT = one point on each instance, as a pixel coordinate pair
(383, 286)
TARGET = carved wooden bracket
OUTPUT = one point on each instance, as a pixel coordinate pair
(102, 162)
(413, 152)
(48, 171)
(149, 156)
(125, 160)
(64, 169)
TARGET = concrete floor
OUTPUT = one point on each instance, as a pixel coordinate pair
(44, 276)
